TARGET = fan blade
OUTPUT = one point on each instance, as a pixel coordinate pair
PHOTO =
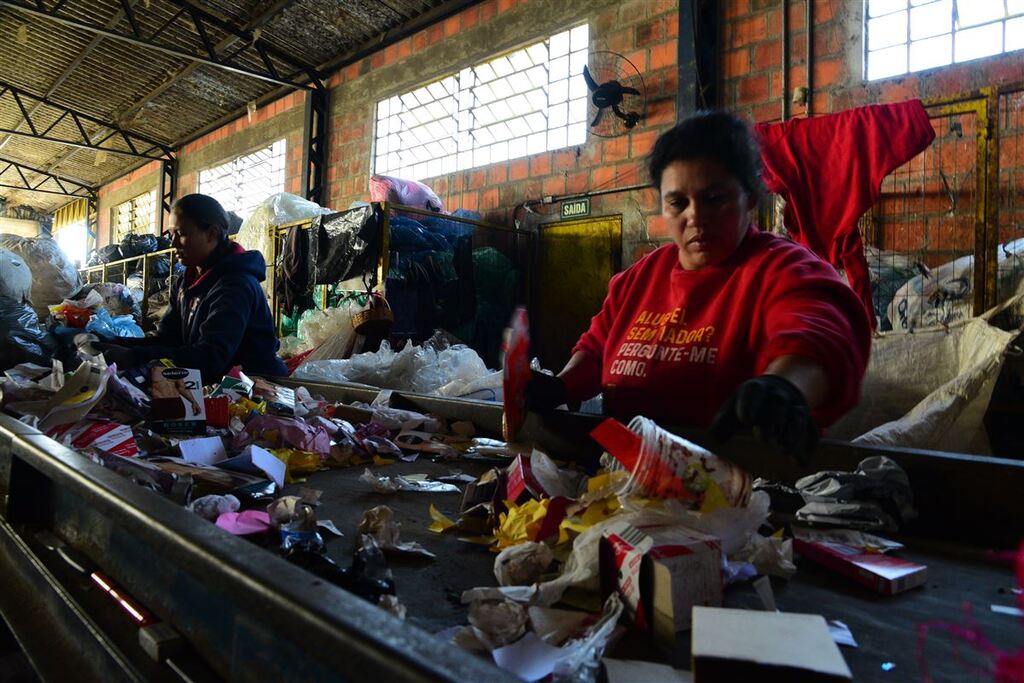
(597, 119)
(618, 112)
(589, 79)
(629, 91)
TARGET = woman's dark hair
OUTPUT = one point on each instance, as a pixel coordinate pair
(207, 213)
(711, 134)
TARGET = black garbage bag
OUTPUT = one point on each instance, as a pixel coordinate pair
(346, 244)
(111, 252)
(22, 339)
(160, 267)
(136, 245)
(163, 242)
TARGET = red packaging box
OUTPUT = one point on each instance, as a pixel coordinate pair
(881, 573)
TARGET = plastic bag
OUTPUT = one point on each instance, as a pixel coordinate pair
(274, 210)
(116, 298)
(421, 369)
(405, 192)
(22, 340)
(346, 245)
(104, 325)
(15, 277)
(136, 245)
(54, 277)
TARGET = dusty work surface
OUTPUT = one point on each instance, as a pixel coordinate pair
(884, 627)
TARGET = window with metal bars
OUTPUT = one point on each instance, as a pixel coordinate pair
(137, 216)
(524, 102)
(902, 36)
(241, 184)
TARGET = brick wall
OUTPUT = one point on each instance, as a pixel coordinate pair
(924, 211)
(645, 31)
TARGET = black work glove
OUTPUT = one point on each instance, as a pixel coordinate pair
(775, 410)
(544, 392)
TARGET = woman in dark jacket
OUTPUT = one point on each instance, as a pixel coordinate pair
(218, 316)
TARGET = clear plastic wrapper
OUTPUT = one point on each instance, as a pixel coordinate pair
(105, 325)
(274, 210)
(15, 277)
(54, 276)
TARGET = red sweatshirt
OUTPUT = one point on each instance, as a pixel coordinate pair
(830, 169)
(673, 344)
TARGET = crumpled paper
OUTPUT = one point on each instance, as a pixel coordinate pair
(523, 564)
(213, 506)
(400, 483)
(497, 623)
(379, 523)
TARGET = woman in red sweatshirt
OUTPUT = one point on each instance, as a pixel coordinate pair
(727, 327)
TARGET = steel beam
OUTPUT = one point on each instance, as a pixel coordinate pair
(697, 56)
(298, 76)
(167, 186)
(138, 145)
(314, 145)
(77, 188)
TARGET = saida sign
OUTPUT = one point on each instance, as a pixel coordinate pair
(578, 208)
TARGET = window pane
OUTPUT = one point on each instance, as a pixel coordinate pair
(1015, 34)
(974, 12)
(925, 54)
(877, 8)
(931, 20)
(979, 42)
(73, 241)
(1015, 7)
(559, 45)
(241, 184)
(891, 61)
(580, 38)
(888, 30)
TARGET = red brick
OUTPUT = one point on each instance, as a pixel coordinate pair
(736, 8)
(615, 149)
(477, 179)
(774, 21)
(772, 111)
(555, 185)
(828, 41)
(497, 173)
(736, 63)
(489, 199)
(657, 227)
(631, 173)
(470, 18)
(650, 32)
(641, 144)
(621, 40)
(470, 201)
(519, 169)
(434, 34)
(452, 26)
(602, 177)
(419, 41)
(458, 182)
(768, 56)
(606, 21)
(391, 54)
(661, 111)
(663, 55)
(405, 48)
(488, 10)
(822, 102)
(752, 89)
(564, 160)
(540, 165)
(505, 5)
(828, 72)
(796, 16)
(639, 59)
(823, 10)
(577, 182)
(747, 31)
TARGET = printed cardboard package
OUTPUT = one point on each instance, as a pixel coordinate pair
(177, 406)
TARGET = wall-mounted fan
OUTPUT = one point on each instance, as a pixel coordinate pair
(618, 96)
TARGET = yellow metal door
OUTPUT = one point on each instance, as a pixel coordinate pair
(577, 259)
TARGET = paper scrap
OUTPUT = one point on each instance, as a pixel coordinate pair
(529, 658)
(406, 483)
(841, 633)
(329, 526)
(763, 586)
(1008, 610)
(256, 460)
(205, 451)
(635, 671)
(441, 522)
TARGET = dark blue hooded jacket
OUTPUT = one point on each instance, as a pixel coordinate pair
(219, 320)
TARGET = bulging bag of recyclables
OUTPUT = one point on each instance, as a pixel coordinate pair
(54, 277)
(22, 340)
(274, 210)
(15, 277)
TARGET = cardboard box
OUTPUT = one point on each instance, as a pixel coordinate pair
(744, 645)
(881, 573)
(103, 434)
(177, 406)
(661, 573)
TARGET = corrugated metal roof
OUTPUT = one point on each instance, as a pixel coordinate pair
(155, 94)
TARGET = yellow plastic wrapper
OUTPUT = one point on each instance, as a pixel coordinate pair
(296, 463)
(440, 523)
(521, 523)
(714, 499)
(379, 461)
(243, 407)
